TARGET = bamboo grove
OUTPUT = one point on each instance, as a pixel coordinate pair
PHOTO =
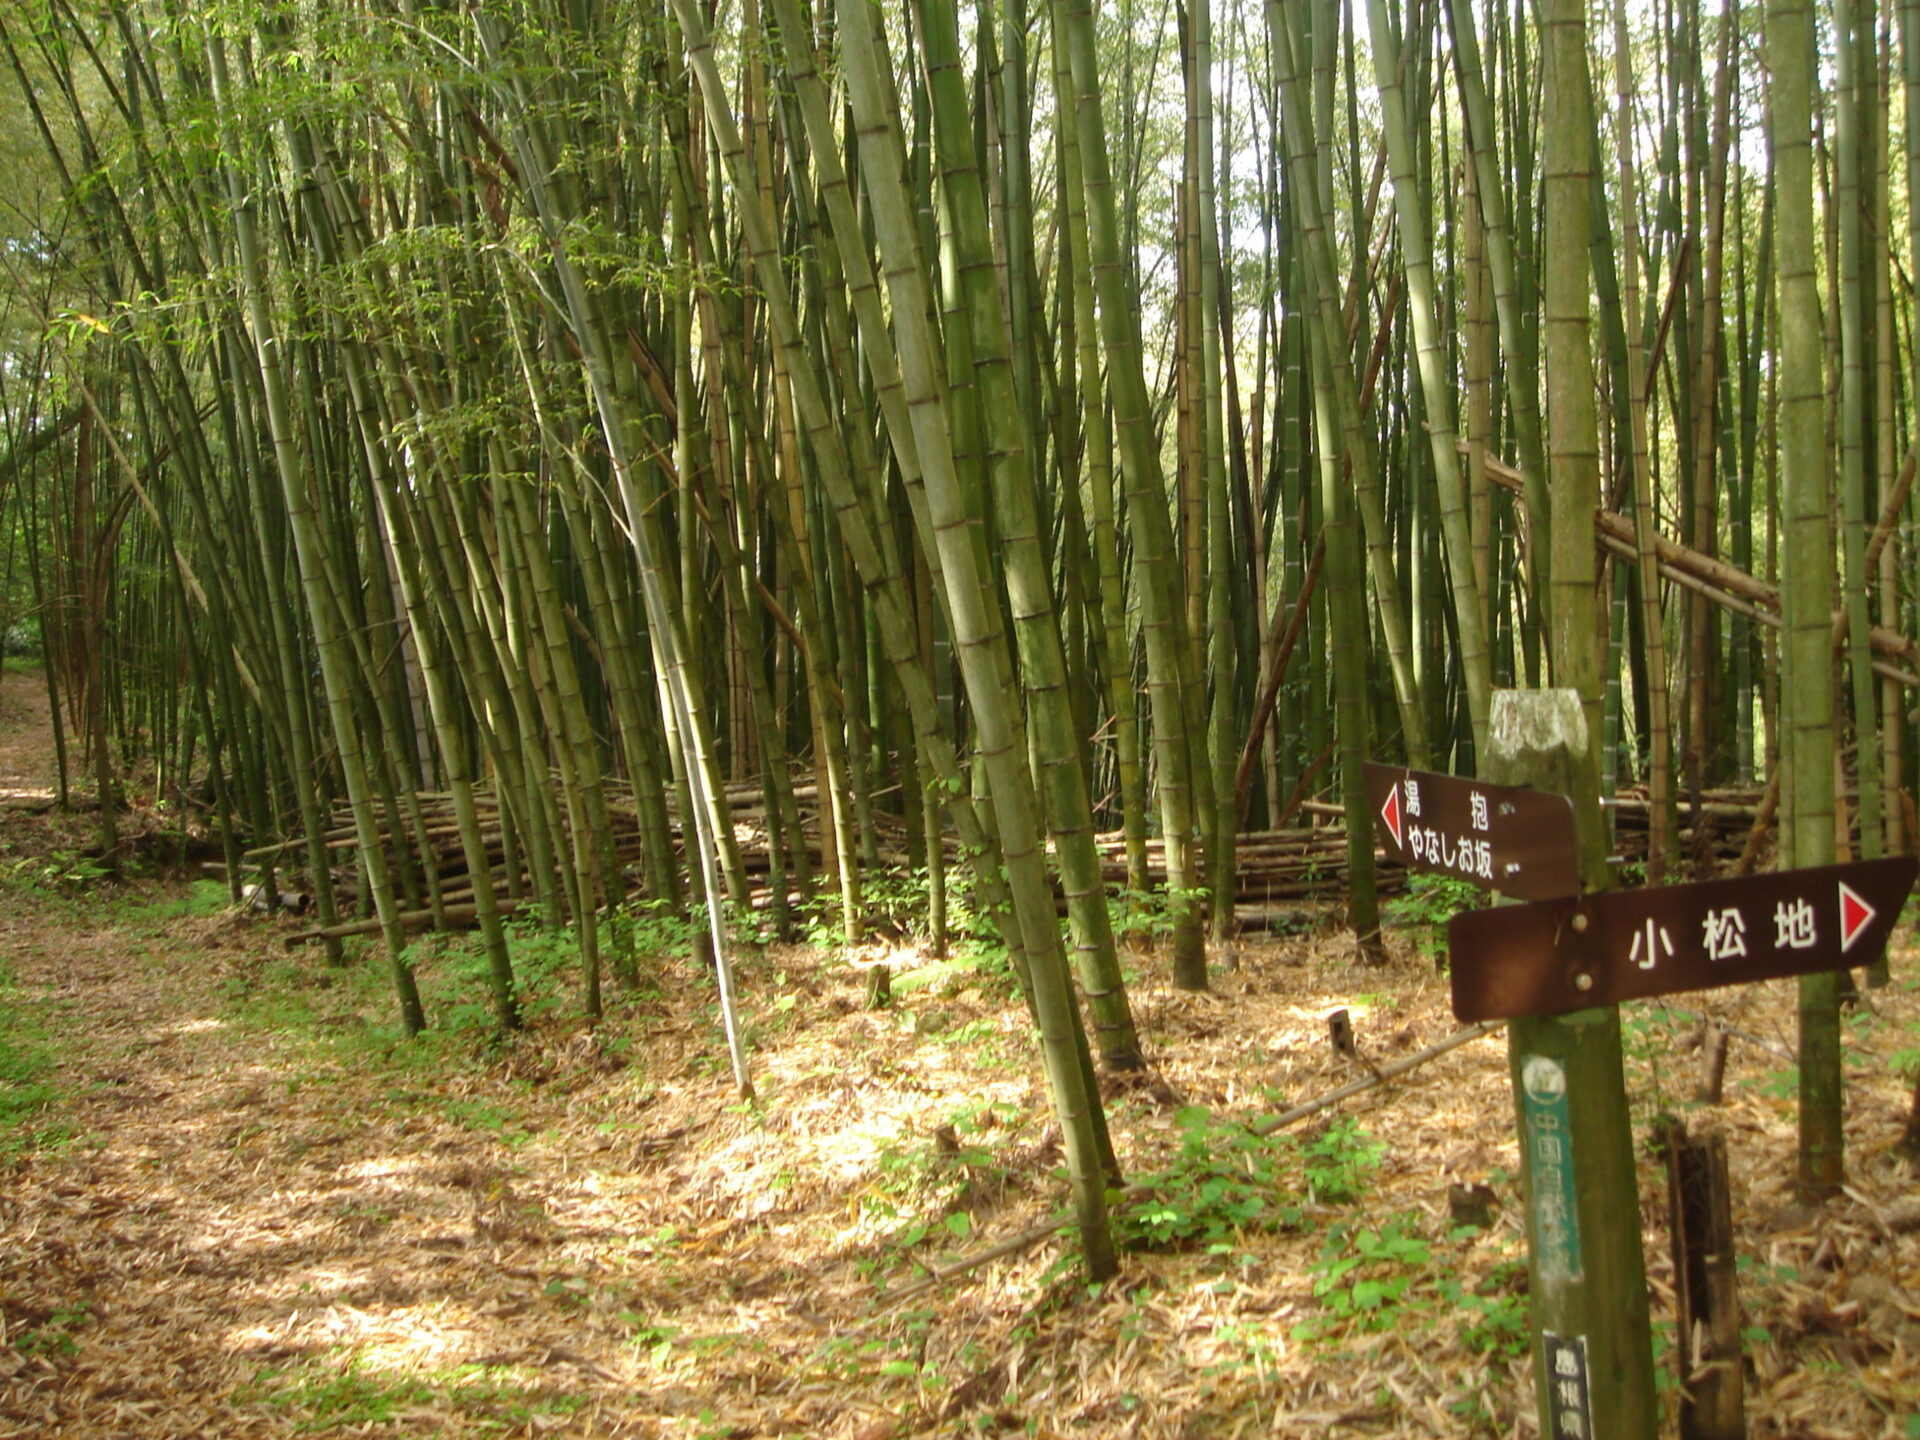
(969, 429)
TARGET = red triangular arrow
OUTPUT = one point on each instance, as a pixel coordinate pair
(1855, 915)
(1390, 812)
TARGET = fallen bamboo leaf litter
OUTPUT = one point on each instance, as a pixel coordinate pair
(274, 1217)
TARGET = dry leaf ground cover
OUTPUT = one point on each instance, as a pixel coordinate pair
(235, 1203)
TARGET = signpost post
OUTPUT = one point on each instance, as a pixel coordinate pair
(1592, 1339)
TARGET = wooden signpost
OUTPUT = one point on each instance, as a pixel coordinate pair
(1587, 1310)
(1558, 968)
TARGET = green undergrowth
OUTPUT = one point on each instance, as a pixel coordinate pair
(324, 1397)
(351, 1006)
(333, 1022)
(198, 898)
(1422, 910)
(65, 873)
(1226, 1183)
(338, 1027)
(1226, 1186)
(56, 1333)
(27, 1068)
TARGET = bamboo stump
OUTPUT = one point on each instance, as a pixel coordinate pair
(1706, 1287)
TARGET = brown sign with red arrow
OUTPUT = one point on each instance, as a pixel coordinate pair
(1500, 837)
(1561, 955)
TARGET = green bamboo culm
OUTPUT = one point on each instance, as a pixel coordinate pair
(987, 668)
(1042, 661)
(1155, 569)
(1807, 690)
(309, 547)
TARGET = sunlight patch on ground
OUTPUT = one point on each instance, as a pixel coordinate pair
(193, 1027)
(407, 1339)
(384, 1167)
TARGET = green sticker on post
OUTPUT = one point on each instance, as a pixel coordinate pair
(1556, 1218)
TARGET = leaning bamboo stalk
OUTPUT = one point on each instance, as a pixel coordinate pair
(1684, 566)
(1626, 552)
(1097, 450)
(1646, 534)
(1852, 73)
(1349, 438)
(986, 666)
(1436, 381)
(1342, 445)
(1043, 671)
(886, 590)
(667, 636)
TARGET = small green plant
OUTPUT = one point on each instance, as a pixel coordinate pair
(55, 1334)
(341, 1400)
(1146, 919)
(894, 898)
(656, 929)
(1365, 1273)
(320, 1398)
(62, 873)
(969, 920)
(955, 1227)
(649, 1335)
(1224, 1182)
(1493, 1315)
(974, 1036)
(1339, 1161)
(486, 1117)
(26, 1062)
(1756, 1273)
(1251, 1345)
(200, 898)
(1426, 905)
(1782, 1084)
(364, 1217)
(1905, 1061)
(1664, 1379)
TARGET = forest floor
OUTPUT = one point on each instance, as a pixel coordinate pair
(234, 1202)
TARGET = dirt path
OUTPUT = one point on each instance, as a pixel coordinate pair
(272, 1216)
(27, 770)
(234, 1200)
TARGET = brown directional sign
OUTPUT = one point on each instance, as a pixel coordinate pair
(1500, 837)
(1560, 955)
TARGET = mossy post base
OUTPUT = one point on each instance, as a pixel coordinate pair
(1591, 1340)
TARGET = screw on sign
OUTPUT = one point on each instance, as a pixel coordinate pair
(1560, 955)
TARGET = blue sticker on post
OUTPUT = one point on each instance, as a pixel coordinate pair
(1569, 1414)
(1556, 1217)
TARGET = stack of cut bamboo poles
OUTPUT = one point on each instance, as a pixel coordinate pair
(1714, 832)
(1273, 866)
(1274, 869)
